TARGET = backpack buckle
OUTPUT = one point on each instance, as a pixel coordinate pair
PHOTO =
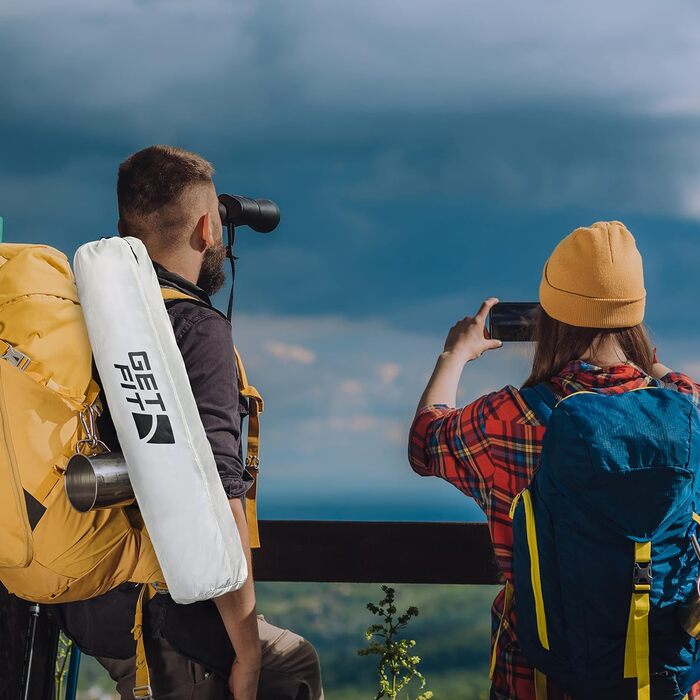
(16, 358)
(143, 692)
(642, 576)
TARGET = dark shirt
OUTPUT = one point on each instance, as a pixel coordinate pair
(203, 336)
(102, 626)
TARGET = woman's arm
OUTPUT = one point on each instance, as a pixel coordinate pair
(467, 340)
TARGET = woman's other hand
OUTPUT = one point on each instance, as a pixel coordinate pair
(659, 370)
(468, 338)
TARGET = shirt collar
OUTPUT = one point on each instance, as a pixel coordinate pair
(172, 279)
(580, 375)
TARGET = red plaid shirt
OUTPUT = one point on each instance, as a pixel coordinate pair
(489, 450)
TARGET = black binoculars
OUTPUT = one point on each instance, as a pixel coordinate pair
(262, 215)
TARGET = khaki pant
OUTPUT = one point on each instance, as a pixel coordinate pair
(290, 670)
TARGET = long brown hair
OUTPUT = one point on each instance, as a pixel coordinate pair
(559, 343)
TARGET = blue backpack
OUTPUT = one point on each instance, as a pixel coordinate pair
(603, 557)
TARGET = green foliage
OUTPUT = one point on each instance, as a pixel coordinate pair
(62, 658)
(397, 666)
(452, 630)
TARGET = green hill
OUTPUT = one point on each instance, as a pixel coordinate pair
(452, 635)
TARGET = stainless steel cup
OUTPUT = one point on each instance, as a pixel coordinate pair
(98, 481)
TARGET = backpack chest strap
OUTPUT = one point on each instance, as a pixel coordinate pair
(42, 375)
(14, 356)
(637, 642)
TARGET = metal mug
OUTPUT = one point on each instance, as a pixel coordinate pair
(98, 481)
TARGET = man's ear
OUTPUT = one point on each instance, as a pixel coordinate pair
(204, 230)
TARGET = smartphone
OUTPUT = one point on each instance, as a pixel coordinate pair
(514, 320)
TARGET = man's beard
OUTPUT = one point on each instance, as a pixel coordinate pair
(212, 275)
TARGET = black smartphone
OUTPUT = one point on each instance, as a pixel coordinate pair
(514, 320)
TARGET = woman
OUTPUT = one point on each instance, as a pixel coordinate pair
(590, 336)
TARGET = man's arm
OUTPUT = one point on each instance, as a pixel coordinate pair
(237, 610)
(204, 339)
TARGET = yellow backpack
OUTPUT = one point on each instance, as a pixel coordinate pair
(50, 553)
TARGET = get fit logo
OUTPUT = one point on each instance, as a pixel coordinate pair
(153, 424)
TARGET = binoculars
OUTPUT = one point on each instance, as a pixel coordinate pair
(262, 215)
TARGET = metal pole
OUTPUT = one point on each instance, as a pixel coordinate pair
(34, 610)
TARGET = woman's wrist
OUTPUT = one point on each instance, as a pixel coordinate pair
(442, 387)
(451, 357)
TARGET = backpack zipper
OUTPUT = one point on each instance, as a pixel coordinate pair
(514, 503)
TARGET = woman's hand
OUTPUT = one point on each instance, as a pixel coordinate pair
(468, 338)
(658, 370)
(466, 341)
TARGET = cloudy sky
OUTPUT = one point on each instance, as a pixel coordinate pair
(424, 156)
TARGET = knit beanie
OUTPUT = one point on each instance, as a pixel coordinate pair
(594, 278)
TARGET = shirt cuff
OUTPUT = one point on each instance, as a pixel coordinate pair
(425, 416)
(236, 487)
(424, 419)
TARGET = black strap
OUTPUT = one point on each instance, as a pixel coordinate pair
(229, 254)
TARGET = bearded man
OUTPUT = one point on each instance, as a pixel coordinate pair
(205, 650)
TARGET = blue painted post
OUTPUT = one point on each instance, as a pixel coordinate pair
(73, 673)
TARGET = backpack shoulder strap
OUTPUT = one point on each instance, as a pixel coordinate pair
(255, 408)
(541, 399)
(172, 294)
(169, 293)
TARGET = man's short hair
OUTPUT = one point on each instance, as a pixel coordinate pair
(152, 185)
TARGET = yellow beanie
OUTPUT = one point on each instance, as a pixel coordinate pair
(594, 278)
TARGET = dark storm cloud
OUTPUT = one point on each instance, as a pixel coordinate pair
(417, 155)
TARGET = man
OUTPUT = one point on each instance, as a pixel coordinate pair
(167, 199)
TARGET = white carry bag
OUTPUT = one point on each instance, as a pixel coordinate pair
(170, 461)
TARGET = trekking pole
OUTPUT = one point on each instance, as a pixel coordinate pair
(73, 673)
(34, 610)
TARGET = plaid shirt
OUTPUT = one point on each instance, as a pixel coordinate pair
(489, 450)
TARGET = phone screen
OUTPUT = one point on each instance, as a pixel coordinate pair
(514, 321)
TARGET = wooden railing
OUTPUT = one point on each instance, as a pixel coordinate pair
(293, 550)
(369, 552)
